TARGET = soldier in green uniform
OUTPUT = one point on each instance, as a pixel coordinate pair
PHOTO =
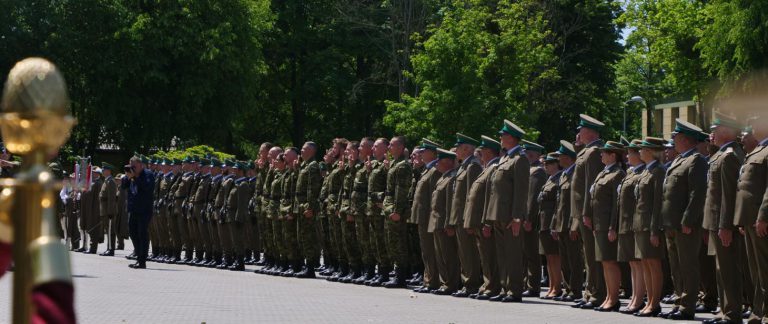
(531, 224)
(259, 228)
(217, 175)
(725, 241)
(237, 215)
(507, 208)
(154, 226)
(466, 174)
(587, 167)
(95, 228)
(547, 205)
(163, 238)
(174, 218)
(570, 245)
(181, 193)
(290, 219)
(307, 208)
(420, 214)
(108, 207)
(220, 213)
(199, 201)
(474, 211)
(751, 213)
(414, 250)
(359, 207)
(446, 248)
(396, 211)
(682, 209)
(348, 211)
(377, 185)
(122, 213)
(268, 240)
(602, 207)
(332, 186)
(272, 209)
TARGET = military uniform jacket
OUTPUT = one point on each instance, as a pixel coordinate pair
(274, 194)
(200, 198)
(308, 185)
(170, 199)
(466, 175)
(122, 195)
(604, 199)
(649, 196)
(546, 201)
(723, 176)
(108, 198)
(562, 220)
(348, 187)
(182, 192)
(377, 185)
(509, 188)
(94, 203)
(287, 191)
(685, 190)
(227, 183)
(165, 188)
(417, 172)
(536, 182)
(588, 165)
(477, 200)
(335, 181)
(262, 198)
(752, 198)
(627, 200)
(358, 197)
(237, 202)
(399, 178)
(422, 195)
(441, 202)
(159, 176)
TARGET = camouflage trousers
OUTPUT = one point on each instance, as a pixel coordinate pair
(397, 243)
(350, 242)
(290, 239)
(378, 236)
(278, 239)
(268, 236)
(308, 241)
(365, 240)
(337, 239)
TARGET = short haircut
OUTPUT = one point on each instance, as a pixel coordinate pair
(267, 145)
(384, 140)
(400, 139)
(294, 149)
(353, 144)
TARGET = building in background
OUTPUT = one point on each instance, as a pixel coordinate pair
(662, 121)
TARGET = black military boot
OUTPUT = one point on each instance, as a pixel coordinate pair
(261, 261)
(364, 275)
(188, 256)
(307, 272)
(396, 281)
(290, 270)
(222, 264)
(354, 273)
(383, 277)
(330, 268)
(341, 272)
(237, 265)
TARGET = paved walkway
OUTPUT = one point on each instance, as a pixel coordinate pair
(107, 291)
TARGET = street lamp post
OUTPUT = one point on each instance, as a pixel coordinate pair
(631, 100)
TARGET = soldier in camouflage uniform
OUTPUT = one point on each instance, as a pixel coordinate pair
(273, 192)
(287, 200)
(377, 185)
(306, 208)
(358, 200)
(414, 250)
(262, 172)
(265, 223)
(220, 215)
(180, 196)
(217, 176)
(348, 212)
(335, 181)
(163, 236)
(237, 214)
(397, 210)
(173, 218)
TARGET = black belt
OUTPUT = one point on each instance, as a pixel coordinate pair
(177, 198)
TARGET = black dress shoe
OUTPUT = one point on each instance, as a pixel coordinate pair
(483, 297)
(579, 304)
(138, 265)
(614, 308)
(512, 299)
(531, 293)
(652, 313)
(460, 294)
(473, 296)
(705, 309)
(497, 298)
(588, 305)
(443, 292)
(680, 316)
(746, 314)
(666, 314)
(628, 310)
(107, 253)
(568, 298)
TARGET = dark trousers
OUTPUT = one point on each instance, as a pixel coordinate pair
(138, 226)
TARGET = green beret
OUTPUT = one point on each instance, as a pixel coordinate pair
(688, 129)
(746, 131)
(229, 163)
(490, 143)
(188, 159)
(445, 154)
(176, 162)
(429, 144)
(652, 143)
(590, 122)
(215, 162)
(723, 120)
(567, 148)
(531, 146)
(512, 129)
(205, 161)
(105, 165)
(464, 139)
(144, 159)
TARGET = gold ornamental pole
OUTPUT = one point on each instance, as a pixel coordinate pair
(35, 121)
